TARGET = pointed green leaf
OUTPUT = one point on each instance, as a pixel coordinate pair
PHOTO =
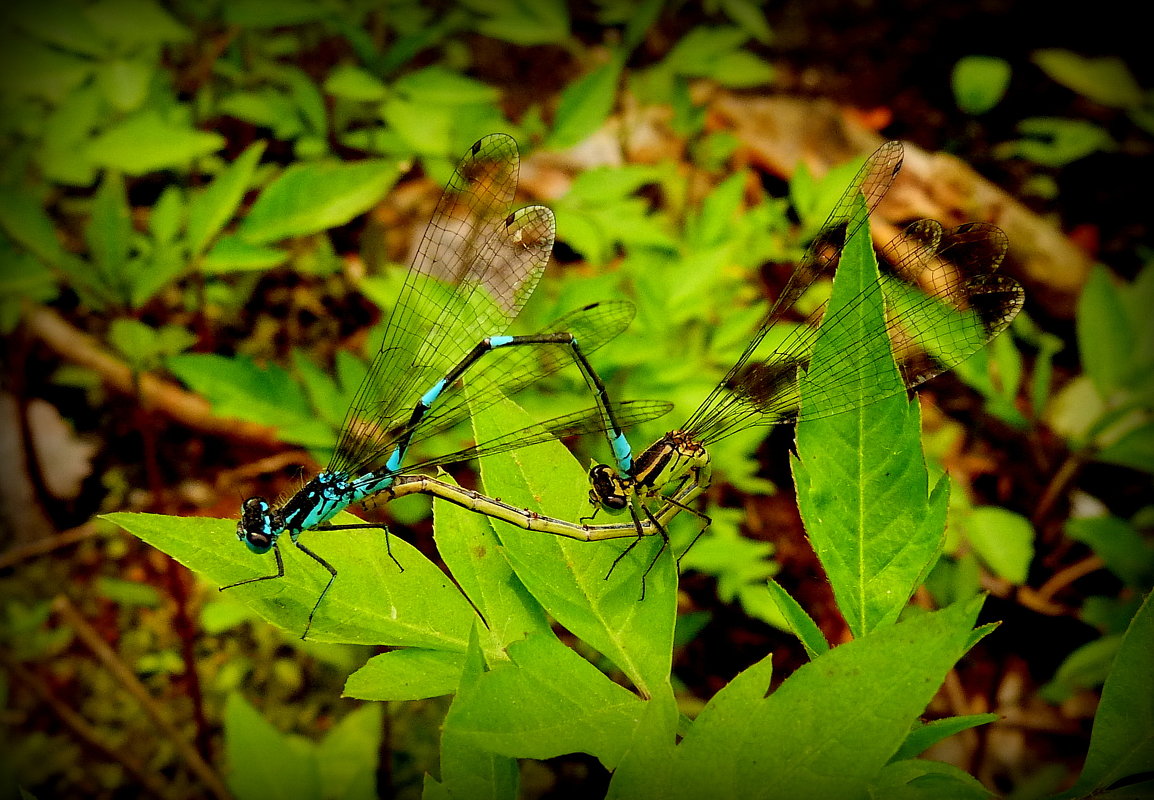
(1122, 742)
(309, 198)
(471, 550)
(548, 702)
(830, 729)
(925, 735)
(109, 231)
(23, 218)
(585, 105)
(145, 143)
(1105, 80)
(470, 767)
(371, 602)
(210, 210)
(862, 484)
(233, 254)
(262, 761)
(1003, 540)
(801, 624)
(411, 673)
(979, 83)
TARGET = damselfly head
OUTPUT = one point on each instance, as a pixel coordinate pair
(257, 527)
(606, 489)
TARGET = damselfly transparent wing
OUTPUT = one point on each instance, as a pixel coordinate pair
(474, 269)
(943, 300)
(820, 260)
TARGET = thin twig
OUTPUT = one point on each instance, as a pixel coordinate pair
(42, 547)
(1058, 484)
(117, 668)
(1067, 575)
(185, 407)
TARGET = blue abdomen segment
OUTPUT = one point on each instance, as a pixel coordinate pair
(623, 453)
(499, 341)
(430, 397)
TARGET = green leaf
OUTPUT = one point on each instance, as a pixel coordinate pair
(741, 70)
(1003, 540)
(1104, 332)
(353, 83)
(240, 389)
(62, 24)
(832, 725)
(563, 704)
(371, 602)
(22, 217)
(262, 761)
(922, 779)
(1054, 142)
(1085, 668)
(469, 545)
(801, 624)
(408, 674)
(233, 254)
(306, 98)
(569, 577)
(439, 86)
(585, 105)
(1104, 80)
(749, 15)
(109, 231)
(524, 22)
(1126, 552)
(210, 210)
(29, 69)
(713, 225)
(1122, 742)
(135, 22)
(142, 345)
(167, 216)
(979, 83)
(349, 754)
(643, 770)
(426, 130)
(22, 278)
(66, 131)
(269, 107)
(700, 49)
(640, 18)
(325, 396)
(309, 198)
(145, 143)
(471, 768)
(260, 14)
(862, 484)
(1134, 449)
(927, 734)
(125, 82)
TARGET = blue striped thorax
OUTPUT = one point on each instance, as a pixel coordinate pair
(315, 504)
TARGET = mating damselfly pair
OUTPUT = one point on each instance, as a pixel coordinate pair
(473, 271)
